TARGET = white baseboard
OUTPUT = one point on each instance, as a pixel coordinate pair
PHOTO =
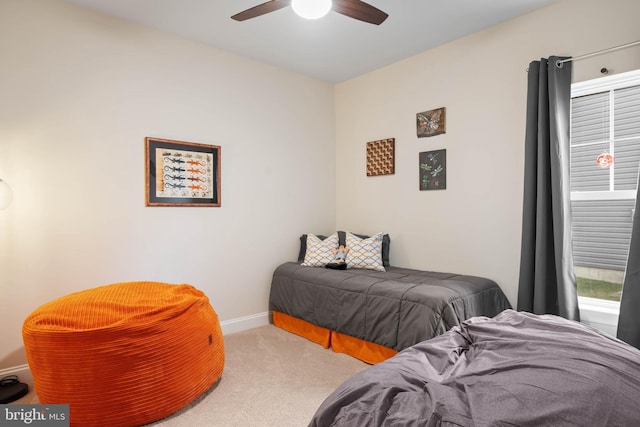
(244, 323)
(13, 370)
(228, 327)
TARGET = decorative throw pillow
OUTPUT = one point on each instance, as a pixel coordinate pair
(320, 252)
(386, 242)
(365, 253)
(303, 245)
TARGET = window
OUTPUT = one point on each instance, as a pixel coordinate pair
(605, 160)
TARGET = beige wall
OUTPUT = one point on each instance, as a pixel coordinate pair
(79, 93)
(474, 225)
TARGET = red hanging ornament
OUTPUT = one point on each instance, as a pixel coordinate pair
(604, 160)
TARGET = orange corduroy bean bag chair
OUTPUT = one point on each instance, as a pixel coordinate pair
(125, 354)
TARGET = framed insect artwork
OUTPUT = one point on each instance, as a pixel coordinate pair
(181, 173)
(431, 123)
(433, 170)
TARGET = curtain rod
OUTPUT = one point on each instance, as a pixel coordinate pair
(600, 52)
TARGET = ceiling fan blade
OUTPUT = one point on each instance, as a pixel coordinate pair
(359, 10)
(261, 9)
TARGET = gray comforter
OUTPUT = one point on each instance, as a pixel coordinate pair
(517, 369)
(396, 308)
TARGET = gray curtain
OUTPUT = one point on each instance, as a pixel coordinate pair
(547, 283)
(629, 321)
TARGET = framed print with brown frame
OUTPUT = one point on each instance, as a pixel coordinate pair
(181, 173)
(432, 122)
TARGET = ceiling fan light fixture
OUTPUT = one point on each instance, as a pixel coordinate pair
(311, 9)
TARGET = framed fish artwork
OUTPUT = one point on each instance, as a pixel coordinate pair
(433, 170)
(432, 122)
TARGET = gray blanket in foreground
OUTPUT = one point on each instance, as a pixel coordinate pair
(517, 369)
(396, 308)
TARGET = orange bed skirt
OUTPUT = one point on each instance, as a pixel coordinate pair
(340, 343)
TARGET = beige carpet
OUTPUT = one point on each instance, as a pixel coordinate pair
(271, 378)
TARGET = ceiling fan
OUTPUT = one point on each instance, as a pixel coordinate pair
(355, 9)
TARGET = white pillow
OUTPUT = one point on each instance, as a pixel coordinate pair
(320, 252)
(365, 253)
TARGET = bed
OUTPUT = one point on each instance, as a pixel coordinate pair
(515, 369)
(373, 314)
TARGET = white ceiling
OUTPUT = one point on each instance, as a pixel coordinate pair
(334, 48)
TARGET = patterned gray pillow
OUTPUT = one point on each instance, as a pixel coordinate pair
(365, 253)
(320, 252)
